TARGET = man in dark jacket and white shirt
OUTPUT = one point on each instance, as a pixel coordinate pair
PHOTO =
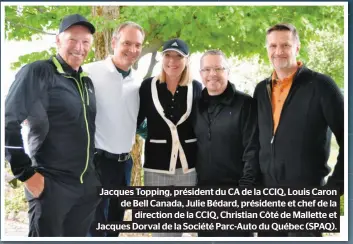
(296, 108)
(58, 101)
(225, 127)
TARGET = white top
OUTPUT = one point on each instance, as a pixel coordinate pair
(117, 101)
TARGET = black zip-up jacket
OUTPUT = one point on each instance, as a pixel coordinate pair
(297, 154)
(227, 145)
(59, 105)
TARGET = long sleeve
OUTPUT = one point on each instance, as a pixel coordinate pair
(143, 106)
(23, 97)
(250, 142)
(332, 104)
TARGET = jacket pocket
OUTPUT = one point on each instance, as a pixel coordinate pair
(157, 154)
(44, 188)
(191, 140)
(157, 141)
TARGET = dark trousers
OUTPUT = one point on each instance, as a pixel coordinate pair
(63, 209)
(113, 174)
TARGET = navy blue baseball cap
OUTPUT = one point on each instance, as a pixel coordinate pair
(176, 45)
(75, 19)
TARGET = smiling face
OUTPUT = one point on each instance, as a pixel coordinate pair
(173, 64)
(282, 49)
(74, 44)
(127, 47)
(214, 73)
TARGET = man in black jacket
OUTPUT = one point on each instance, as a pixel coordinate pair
(58, 101)
(296, 109)
(225, 127)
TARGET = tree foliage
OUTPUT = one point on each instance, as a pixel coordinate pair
(239, 31)
(327, 56)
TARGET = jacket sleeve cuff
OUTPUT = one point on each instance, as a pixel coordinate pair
(26, 174)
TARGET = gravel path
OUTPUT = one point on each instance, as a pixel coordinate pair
(15, 228)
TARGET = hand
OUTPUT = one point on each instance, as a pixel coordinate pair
(35, 184)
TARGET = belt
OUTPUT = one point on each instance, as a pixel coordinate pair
(122, 157)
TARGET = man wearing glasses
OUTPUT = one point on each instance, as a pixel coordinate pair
(225, 127)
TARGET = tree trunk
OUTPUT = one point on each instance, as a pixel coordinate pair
(152, 64)
(136, 173)
(102, 39)
(102, 45)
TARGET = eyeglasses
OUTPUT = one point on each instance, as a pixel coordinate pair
(217, 70)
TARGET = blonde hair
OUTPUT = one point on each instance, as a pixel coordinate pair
(185, 77)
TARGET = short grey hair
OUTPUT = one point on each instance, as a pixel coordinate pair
(131, 24)
(217, 53)
(284, 27)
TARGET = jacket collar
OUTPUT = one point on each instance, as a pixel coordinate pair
(227, 96)
(301, 69)
(112, 68)
(63, 68)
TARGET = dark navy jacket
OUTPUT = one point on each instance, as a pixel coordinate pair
(227, 143)
(59, 105)
(297, 154)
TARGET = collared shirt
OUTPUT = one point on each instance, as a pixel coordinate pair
(117, 106)
(68, 69)
(280, 90)
(123, 72)
(174, 105)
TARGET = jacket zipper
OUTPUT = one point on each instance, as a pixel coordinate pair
(268, 91)
(279, 121)
(268, 88)
(85, 86)
(85, 116)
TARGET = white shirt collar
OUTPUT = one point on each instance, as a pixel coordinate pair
(112, 68)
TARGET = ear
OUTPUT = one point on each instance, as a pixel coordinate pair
(113, 43)
(297, 49)
(57, 41)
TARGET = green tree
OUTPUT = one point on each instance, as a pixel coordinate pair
(236, 30)
(327, 56)
(239, 31)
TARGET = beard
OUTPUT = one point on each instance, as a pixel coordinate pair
(281, 63)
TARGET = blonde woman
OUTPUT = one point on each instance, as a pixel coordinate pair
(167, 102)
